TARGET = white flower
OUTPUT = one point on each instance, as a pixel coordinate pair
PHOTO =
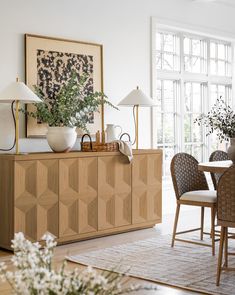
(34, 273)
(2, 266)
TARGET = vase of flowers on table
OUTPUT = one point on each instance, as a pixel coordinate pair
(221, 119)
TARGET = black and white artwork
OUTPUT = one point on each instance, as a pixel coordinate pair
(50, 63)
(54, 69)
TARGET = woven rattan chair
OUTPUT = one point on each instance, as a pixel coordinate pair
(226, 216)
(217, 156)
(191, 188)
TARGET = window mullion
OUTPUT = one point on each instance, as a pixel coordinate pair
(181, 100)
(207, 100)
(176, 129)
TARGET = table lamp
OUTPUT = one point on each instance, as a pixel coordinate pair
(20, 93)
(136, 98)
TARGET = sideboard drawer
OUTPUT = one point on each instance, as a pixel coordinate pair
(36, 198)
(114, 192)
(147, 188)
(78, 197)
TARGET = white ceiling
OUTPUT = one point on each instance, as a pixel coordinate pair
(230, 3)
(227, 2)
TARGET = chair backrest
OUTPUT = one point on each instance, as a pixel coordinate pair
(185, 175)
(226, 196)
(217, 156)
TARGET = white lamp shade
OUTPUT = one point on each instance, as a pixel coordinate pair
(136, 97)
(18, 91)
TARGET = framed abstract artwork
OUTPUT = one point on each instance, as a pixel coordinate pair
(49, 64)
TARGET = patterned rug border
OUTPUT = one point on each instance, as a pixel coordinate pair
(147, 280)
(194, 290)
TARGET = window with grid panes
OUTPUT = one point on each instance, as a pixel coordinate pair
(220, 59)
(190, 73)
(195, 55)
(167, 52)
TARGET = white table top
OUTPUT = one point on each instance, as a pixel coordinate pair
(216, 166)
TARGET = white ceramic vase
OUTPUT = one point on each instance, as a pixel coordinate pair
(231, 150)
(61, 139)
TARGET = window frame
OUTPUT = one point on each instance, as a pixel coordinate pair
(182, 76)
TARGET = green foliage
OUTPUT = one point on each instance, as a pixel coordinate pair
(72, 105)
(221, 119)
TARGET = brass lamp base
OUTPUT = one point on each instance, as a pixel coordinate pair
(136, 110)
(17, 126)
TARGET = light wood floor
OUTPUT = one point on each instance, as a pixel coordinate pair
(187, 219)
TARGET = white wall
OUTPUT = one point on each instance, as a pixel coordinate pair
(122, 26)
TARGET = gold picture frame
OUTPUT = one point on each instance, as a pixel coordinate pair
(41, 55)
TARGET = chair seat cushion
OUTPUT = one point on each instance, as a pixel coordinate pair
(207, 196)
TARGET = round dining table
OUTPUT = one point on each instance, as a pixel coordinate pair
(215, 167)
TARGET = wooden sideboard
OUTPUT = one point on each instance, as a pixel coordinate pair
(78, 195)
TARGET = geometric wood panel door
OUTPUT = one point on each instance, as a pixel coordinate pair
(78, 209)
(36, 198)
(146, 188)
(114, 192)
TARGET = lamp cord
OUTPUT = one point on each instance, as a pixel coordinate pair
(14, 119)
(135, 124)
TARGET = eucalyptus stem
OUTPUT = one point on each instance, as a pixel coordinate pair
(74, 105)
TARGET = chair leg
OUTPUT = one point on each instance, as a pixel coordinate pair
(213, 210)
(226, 247)
(220, 257)
(202, 221)
(175, 224)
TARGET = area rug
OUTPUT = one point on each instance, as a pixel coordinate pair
(186, 266)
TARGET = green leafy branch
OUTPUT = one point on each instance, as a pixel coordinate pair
(72, 105)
